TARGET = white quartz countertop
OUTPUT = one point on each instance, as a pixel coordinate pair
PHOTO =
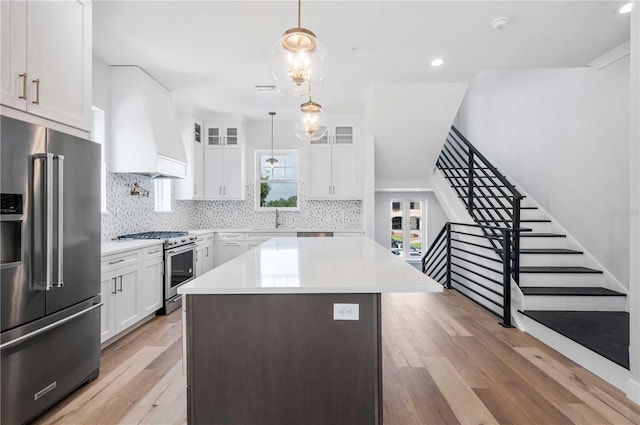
(116, 247)
(313, 265)
(281, 230)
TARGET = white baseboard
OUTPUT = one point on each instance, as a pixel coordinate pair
(633, 391)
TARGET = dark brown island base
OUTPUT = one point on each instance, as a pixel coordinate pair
(267, 345)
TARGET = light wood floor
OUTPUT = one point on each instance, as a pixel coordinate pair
(446, 361)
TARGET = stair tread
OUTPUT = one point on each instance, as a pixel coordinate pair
(493, 196)
(542, 235)
(603, 332)
(557, 269)
(479, 185)
(548, 251)
(499, 208)
(570, 290)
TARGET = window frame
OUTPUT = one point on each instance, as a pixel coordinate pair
(405, 204)
(258, 178)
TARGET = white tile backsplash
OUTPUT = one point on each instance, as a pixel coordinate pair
(132, 214)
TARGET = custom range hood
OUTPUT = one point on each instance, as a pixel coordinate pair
(145, 137)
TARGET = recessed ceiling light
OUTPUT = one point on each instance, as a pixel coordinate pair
(437, 62)
(625, 8)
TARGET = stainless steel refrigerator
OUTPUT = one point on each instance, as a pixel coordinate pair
(49, 267)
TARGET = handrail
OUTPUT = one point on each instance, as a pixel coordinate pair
(440, 250)
(489, 197)
(490, 166)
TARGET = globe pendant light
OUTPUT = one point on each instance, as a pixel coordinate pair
(311, 123)
(271, 161)
(297, 56)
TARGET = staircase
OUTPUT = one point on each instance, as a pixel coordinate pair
(561, 286)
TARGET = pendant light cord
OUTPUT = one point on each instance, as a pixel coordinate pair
(299, 13)
(272, 114)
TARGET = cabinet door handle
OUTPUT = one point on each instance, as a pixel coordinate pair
(220, 190)
(24, 86)
(115, 286)
(207, 248)
(195, 189)
(37, 101)
(117, 261)
(153, 252)
(120, 290)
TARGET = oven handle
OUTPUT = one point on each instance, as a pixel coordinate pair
(181, 249)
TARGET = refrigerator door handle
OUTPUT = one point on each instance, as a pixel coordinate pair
(60, 221)
(46, 328)
(47, 216)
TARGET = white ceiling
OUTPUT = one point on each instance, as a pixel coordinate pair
(211, 53)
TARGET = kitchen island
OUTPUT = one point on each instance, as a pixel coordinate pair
(289, 333)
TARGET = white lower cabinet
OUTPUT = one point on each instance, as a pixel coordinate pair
(121, 292)
(230, 250)
(131, 288)
(205, 249)
(199, 258)
(152, 279)
(108, 313)
(209, 252)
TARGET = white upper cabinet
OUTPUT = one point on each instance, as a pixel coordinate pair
(46, 59)
(333, 165)
(337, 134)
(192, 187)
(223, 174)
(224, 161)
(223, 134)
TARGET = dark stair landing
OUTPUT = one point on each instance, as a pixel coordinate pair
(603, 332)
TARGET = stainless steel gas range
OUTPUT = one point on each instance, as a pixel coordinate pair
(179, 263)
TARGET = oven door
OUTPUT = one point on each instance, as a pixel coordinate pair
(179, 268)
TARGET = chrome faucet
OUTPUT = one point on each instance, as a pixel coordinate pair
(278, 222)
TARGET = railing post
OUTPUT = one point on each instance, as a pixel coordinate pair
(506, 279)
(448, 255)
(516, 240)
(470, 183)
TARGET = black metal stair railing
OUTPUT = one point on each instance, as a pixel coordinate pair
(454, 257)
(489, 197)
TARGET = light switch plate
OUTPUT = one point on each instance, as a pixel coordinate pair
(346, 311)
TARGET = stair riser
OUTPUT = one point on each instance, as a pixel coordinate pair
(551, 260)
(538, 227)
(535, 242)
(530, 214)
(573, 303)
(561, 279)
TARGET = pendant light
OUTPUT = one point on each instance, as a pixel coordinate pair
(297, 56)
(311, 123)
(271, 161)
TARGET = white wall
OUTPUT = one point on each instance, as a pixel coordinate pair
(436, 216)
(633, 387)
(562, 135)
(410, 123)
